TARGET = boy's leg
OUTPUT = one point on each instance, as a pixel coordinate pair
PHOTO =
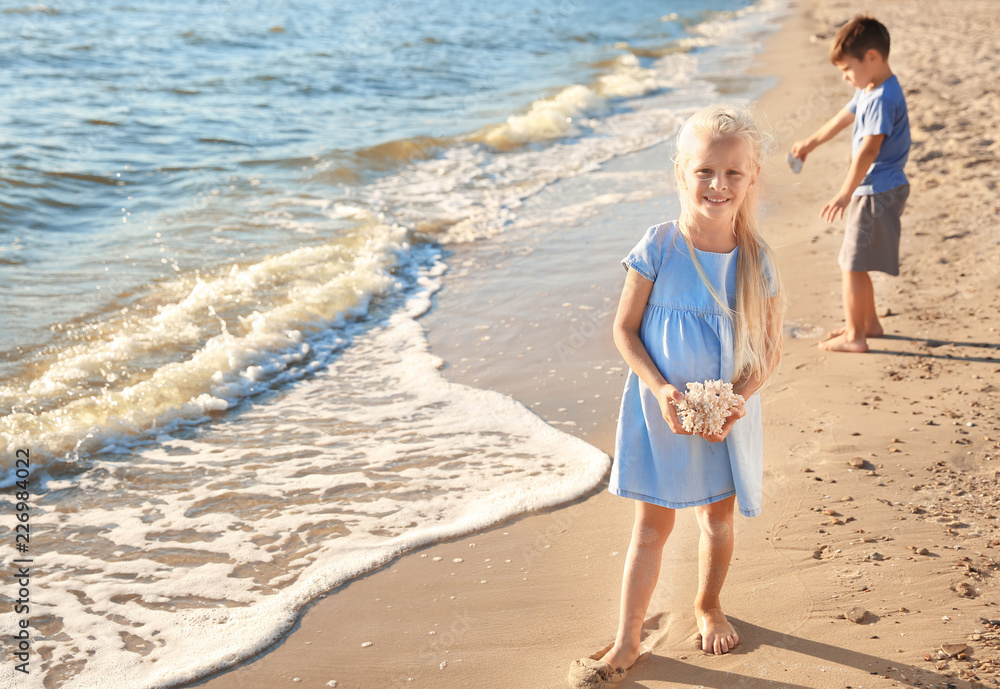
(715, 550)
(871, 242)
(859, 315)
(653, 525)
(873, 328)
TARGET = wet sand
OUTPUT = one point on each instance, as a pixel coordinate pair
(880, 488)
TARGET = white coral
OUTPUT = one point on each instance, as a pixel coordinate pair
(706, 406)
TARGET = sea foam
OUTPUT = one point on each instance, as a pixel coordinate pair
(203, 546)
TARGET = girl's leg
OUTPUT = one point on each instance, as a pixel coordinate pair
(715, 550)
(653, 525)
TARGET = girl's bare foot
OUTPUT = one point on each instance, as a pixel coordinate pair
(717, 635)
(622, 656)
(840, 343)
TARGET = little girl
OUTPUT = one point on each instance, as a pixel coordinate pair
(701, 301)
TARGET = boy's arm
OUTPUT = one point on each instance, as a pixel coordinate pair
(836, 124)
(870, 146)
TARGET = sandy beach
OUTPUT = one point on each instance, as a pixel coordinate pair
(880, 469)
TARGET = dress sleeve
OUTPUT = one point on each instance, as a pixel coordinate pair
(645, 257)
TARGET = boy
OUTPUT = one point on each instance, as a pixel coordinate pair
(874, 194)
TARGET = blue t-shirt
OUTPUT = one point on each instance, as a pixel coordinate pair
(882, 111)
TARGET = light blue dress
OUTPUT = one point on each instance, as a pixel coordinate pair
(690, 339)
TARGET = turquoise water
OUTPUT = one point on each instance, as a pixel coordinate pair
(189, 120)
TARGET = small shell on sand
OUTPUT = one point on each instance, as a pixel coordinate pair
(858, 615)
(706, 406)
(952, 650)
(965, 589)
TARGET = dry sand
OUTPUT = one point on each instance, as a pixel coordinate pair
(880, 488)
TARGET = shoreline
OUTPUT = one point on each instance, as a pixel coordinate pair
(544, 585)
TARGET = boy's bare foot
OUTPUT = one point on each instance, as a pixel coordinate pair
(840, 343)
(717, 635)
(622, 657)
(869, 332)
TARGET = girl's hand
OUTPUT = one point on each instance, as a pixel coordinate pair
(666, 396)
(736, 412)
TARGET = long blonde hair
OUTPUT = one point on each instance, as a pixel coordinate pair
(756, 270)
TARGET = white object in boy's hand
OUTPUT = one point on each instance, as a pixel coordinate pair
(795, 163)
(706, 406)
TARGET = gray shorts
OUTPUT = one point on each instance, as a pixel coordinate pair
(871, 241)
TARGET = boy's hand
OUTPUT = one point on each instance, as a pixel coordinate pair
(835, 207)
(736, 412)
(666, 396)
(800, 149)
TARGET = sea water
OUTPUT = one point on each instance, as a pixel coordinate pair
(219, 226)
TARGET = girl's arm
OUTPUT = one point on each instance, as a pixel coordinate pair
(635, 295)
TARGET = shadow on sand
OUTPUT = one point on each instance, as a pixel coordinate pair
(754, 638)
(984, 347)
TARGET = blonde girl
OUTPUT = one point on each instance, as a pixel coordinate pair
(701, 301)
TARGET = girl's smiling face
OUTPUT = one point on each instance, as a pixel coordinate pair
(716, 175)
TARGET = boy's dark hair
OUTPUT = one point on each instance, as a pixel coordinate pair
(857, 37)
